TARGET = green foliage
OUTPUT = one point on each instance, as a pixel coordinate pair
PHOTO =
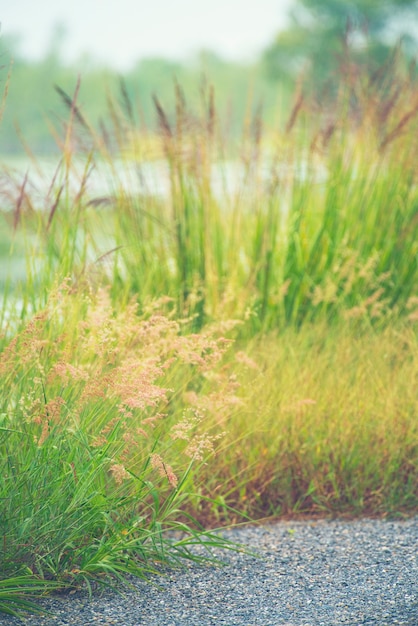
(34, 109)
(322, 33)
(17, 593)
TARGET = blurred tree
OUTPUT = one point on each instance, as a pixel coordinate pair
(32, 103)
(322, 30)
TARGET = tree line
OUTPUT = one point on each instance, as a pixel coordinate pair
(33, 109)
(322, 36)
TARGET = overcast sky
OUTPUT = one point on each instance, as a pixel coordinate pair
(120, 32)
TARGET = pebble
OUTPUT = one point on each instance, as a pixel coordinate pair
(314, 573)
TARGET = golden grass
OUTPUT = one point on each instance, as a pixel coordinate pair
(329, 426)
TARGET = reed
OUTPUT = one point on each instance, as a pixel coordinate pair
(316, 222)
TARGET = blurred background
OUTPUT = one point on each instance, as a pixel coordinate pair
(252, 53)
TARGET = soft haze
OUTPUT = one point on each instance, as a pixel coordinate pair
(119, 32)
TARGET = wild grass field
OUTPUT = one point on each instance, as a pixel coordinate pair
(231, 350)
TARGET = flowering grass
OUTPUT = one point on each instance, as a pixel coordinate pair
(98, 442)
(270, 319)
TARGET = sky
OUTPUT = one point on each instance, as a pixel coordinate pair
(120, 32)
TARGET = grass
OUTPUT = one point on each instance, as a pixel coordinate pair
(320, 223)
(327, 427)
(217, 353)
(98, 448)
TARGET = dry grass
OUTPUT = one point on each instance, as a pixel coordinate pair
(328, 427)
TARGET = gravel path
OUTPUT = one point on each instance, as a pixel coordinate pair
(323, 573)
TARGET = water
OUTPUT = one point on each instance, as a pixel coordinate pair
(146, 178)
(42, 179)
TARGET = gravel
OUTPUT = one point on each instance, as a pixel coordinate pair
(316, 573)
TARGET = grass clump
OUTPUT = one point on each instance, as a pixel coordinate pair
(98, 441)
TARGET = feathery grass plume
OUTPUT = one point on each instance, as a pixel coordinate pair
(296, 109)
(402, 123)
(19, 203)
(211, 112)
(5, 91)
(163, 122)
(71, 103)
(54, 207)
(127, 102)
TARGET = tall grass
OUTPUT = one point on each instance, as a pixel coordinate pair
(269, 314)
(318, 220)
